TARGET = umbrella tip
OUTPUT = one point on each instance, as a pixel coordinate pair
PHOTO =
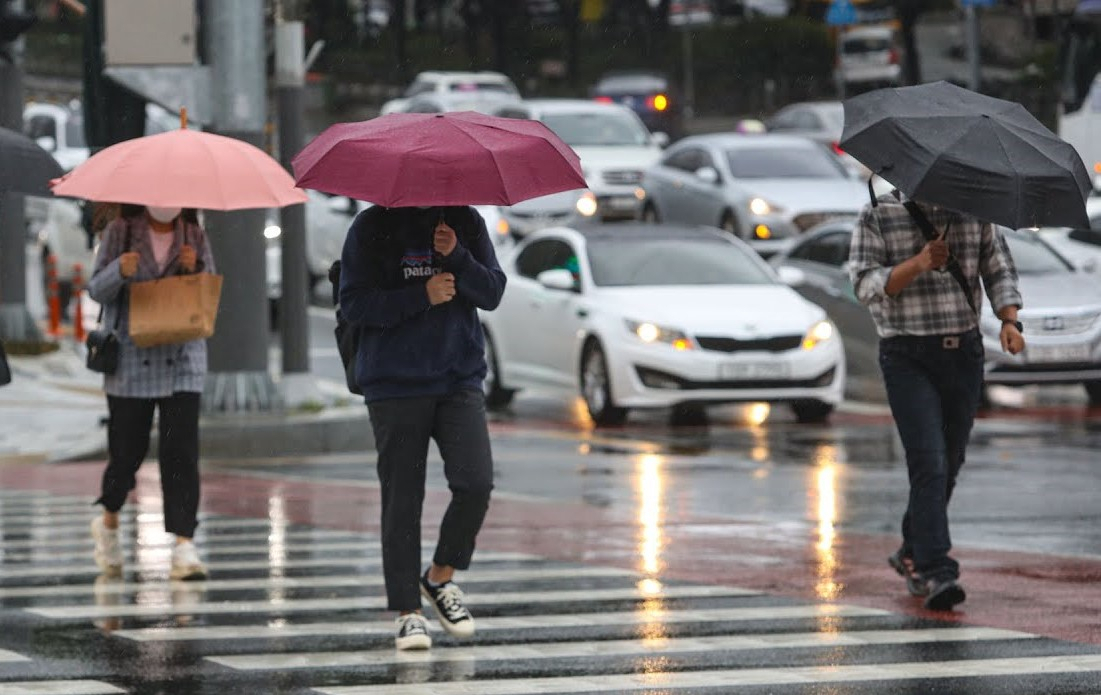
(183, 118)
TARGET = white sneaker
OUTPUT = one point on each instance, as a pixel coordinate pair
(186, 563)
(412, 632)
(108, 554)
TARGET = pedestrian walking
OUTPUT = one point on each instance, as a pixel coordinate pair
(918, 268)
(143, 244)
(412, 280)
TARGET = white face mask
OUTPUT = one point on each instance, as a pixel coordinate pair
(163, 215)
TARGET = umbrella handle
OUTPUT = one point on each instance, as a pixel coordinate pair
(183, 118)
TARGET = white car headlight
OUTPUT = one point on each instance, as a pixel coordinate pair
(761, 207)
(652, 333)
(586, 204)
(819, 333)
(272, 231)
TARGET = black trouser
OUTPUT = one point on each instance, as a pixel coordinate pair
(403, 427)
(129, 422)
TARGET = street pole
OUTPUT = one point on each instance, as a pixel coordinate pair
(239, 379)
(689, 83)
(290, 78)
(971, 14)
(16, 323)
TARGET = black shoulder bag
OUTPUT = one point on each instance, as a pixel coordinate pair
(102, 344)
(953, 265)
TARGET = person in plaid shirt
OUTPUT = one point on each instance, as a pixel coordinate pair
(931, 356)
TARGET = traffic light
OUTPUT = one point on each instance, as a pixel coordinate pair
(14, 22)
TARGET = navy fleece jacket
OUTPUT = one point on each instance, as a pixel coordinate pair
(407, 346)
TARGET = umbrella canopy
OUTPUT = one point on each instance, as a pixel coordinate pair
(24, 166)
(183, 168)
(964, 151)
(457, 158)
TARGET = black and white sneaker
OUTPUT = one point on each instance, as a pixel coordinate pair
(412, 632)
(447, 600)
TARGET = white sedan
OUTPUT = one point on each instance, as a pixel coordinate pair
(638, 315)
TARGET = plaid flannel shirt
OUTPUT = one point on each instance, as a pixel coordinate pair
(934, 303)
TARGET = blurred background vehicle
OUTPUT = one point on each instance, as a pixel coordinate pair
(760, 188)
(558, 209)
(613, 144)
(1061, 316)
(656, 315)
(443, 82)
(444, 102)
(651, 95)
(821, 121)
(867, 58)
(62, 236)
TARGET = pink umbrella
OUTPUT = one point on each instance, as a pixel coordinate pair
(458, 158)
(183, 168)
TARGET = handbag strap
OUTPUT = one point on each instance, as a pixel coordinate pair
(953, 265)
(125, 249)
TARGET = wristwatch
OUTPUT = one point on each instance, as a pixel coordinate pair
(1016, 324)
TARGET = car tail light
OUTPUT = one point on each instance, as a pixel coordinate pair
(658, 102)
(603, 100)
(836, 148)
(892, 57)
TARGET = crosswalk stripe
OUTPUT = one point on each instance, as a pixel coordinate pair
(610, 648)
(58, 688)
(368, 547)
(379, 602)
(544, 621)
(83, 540)
(78, 523)
(88, 569)
(730, 678)
(120, 587)
(7, 657)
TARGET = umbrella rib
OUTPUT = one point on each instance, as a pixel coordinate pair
(492, 154)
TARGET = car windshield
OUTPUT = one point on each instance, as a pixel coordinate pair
(787, 162)
(630, 84)
(482, 87)
(659, 262)
(74, 131)
(1032, 256)
(581, 129)
(867, 45)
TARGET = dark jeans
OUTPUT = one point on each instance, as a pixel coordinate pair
(403, 428)
(129, 422)
(934, 392)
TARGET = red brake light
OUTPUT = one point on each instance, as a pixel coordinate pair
(603, 100)
(837, 148)
(893, 57)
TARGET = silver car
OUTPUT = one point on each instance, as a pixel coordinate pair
(1061, 316)
(761, 188)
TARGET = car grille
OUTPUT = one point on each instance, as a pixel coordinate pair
(812, 219)
(622, 177)
(538, 215)
(723, 344)
(1058, 325)
(671, 382)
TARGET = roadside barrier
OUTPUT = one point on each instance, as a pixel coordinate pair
(78, 313)
(53, 296)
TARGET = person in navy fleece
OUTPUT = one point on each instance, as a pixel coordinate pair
(412, 280)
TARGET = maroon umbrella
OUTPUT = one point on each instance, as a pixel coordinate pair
(458, 158)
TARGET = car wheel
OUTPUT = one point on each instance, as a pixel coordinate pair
(729, 224)
(811, 412)
(596, 388)
(497, 398)
(1093, 390)
(650, 214)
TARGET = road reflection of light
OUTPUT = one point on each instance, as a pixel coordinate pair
(757, 413)
(277, 542)
(650, 513)
(150, 555)
(585, 449)
(825, 490)
(579, 414)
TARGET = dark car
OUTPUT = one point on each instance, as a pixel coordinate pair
(651, 95)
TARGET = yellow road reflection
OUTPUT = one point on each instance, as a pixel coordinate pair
(825, 492)
(651, 543)
(277, 541)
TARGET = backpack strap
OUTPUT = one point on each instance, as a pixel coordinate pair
(930, 233)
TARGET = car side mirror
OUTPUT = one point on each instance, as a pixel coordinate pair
(792, 277)
(557, 279)
(707, 174)
(47, 143)
(660, 139)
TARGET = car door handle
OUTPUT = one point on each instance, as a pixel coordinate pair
(582, 313)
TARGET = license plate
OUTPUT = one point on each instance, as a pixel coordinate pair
(753, 370)
(1049, 354)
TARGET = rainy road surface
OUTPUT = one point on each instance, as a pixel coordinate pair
(736, 556)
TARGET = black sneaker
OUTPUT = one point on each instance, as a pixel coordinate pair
(904, 565)
(412, 632)
(944, 594)
(447, 600)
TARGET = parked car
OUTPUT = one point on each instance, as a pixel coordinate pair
(443, 82)
(760, 188)
(1061, 314)
(867, 58)
(625, 315)
(613, 144)
(650, 95)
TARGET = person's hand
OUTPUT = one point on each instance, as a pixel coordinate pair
(128, 264)
(1012, 340)
(934, 254)
(187, 258)
(444, 239)
(440, 288)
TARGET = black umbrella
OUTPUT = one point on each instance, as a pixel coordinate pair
(964, 151)
(24, 166)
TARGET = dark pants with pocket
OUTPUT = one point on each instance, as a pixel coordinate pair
(403, 428)
(934, 384)
(128, 428)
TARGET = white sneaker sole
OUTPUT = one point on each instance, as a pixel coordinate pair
(413, 642)
(463, 629)
(110, 569)
(187, 574)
